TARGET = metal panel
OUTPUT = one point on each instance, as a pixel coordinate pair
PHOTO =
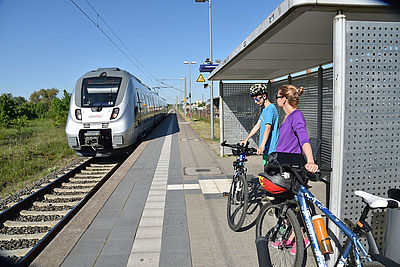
(309, 106)
(240, 113)
(372, 116)
(327, 107)
(309, 100)
(274, 91)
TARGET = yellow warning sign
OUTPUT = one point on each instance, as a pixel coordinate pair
(200, 79)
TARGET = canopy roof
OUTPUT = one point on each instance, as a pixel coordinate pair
(297, 35)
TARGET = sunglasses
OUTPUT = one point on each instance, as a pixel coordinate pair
(257, 99)
(279, 96)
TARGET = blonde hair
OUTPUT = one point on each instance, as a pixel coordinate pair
(291, 93)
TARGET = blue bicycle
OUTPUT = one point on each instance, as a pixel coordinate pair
(281, 234)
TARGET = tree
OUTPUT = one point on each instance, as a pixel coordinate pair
(59, 109)
(44, 96)
(7, 110)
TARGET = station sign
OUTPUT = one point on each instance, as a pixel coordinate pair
(207, 67)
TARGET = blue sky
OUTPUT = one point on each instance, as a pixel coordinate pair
(48, 43)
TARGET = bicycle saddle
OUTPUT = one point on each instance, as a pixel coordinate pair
(377, 202)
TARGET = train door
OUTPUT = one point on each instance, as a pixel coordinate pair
(138, 112)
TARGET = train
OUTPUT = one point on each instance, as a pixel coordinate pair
(110, 110)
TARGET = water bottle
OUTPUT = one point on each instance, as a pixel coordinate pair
(322, 235)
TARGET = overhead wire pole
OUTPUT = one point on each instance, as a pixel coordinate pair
(179, 79)
(190, 88)
(211, 84)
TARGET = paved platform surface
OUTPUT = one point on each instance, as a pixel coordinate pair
(163, 207)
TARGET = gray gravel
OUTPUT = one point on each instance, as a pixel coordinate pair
(35, 185)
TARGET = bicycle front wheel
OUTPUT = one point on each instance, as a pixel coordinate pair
(285, 239)
(237, 203)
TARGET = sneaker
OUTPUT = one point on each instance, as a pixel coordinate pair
(306, 243)
(277, 244)
(293, 250)
(289, 243)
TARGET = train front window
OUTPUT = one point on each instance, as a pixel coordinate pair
(100, 91)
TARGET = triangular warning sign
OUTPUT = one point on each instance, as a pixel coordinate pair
(200, 79)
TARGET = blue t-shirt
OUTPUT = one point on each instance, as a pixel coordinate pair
(269, 115)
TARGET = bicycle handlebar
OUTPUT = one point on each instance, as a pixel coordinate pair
(300, 168)
(243, 148)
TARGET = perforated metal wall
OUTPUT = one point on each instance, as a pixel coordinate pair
(309, 100)
(240, 113)
(371, 156)
(274, 91)
(327, 109)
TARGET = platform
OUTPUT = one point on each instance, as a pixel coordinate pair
(163, 207)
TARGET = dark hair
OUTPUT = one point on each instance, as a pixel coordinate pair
(291, 93)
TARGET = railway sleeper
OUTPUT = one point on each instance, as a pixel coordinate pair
(21, 236)
(21, 252)
(88, 176)
(63, 197)
(72, 190)
(43, 213)
(103, 165)
(94, 172)
(43, 204)
(84, 179)
(72, 185)
(98, 168)
(20, 224)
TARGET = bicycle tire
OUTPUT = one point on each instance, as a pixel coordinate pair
(237, 202)
(279, 232)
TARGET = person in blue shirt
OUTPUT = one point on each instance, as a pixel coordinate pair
(267, 122)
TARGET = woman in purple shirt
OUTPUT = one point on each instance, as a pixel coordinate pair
(293, 137)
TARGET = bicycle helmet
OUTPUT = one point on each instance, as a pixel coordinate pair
(275, 182)
(257, 89)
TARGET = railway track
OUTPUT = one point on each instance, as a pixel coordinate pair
(28, 226)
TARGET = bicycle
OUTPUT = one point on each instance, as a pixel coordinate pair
(238, 195)
(279, 220)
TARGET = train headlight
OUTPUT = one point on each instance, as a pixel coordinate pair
(78, 114)
(114, 113)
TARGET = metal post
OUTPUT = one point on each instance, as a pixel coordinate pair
(221, 116)
(269, 88)
(185, 98)
(339, 69)
(319, 113)
(211, 84)
(190, 95)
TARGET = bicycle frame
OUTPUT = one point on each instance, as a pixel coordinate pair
(355, 244)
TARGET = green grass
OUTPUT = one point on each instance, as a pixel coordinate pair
(30, 153)
(203, 127)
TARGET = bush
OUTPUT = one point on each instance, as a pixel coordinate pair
(59, 109)
(7, 110)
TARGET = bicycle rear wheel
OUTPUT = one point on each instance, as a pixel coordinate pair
(237, 203)
(285, 239)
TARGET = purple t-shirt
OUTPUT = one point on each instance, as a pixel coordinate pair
(295, 124)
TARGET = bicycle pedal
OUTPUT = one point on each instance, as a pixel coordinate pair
(225, 194)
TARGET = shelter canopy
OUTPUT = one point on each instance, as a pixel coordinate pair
(297, 35)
